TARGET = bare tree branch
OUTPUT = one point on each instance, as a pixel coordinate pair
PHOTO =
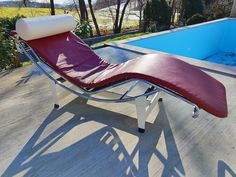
(93, 17)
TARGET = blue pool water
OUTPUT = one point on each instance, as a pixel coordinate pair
(213, 42)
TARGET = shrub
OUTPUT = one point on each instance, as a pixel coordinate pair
(83, 29)
(8, 24)
(215, 11)
(8, 54)
(152, 28)
(197, 18)
(191, 7)
(156, 12)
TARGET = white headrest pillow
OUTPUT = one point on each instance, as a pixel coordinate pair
(39, 27)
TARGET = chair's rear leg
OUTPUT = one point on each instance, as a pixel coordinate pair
(141, 104)
(54, 94)
(143, 108)
(160, 96)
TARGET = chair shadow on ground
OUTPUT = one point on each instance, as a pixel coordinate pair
(224, 169)
(5, 73)
(100, 153)
(34, 72)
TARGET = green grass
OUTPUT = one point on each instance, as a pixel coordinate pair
(26, 63)
(28, 12)
(122, 37)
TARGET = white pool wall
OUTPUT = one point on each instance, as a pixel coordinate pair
(228, 37)
(195, 41)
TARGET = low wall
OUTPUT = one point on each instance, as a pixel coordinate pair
(93, 40)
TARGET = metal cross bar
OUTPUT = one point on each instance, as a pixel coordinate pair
(130, 89)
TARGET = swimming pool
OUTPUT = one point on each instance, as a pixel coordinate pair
(213, 41)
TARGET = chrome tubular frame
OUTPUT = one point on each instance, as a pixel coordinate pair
(88, 94)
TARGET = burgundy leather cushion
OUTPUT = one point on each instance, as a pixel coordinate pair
(72, 58)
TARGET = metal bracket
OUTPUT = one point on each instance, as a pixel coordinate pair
(149, 90)
(195, 112)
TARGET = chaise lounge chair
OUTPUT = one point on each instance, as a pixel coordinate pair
(49, 40)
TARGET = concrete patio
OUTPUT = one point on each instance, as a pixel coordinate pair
(95, 139)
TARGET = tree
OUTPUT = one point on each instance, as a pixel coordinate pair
(147, 15)
(119, 18)
(83, 11)
(116, 23)
(42, 4)
(122, 16)
(25, 2)
(141, 5)
(173, 10)
(93, 17)
(191, 7)
(212, 9)
(207, 2)
(117, 13)
(195, 19)
(52, 7)
(157, 12)
(233, 10)
(76, 8)
(83, 27)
